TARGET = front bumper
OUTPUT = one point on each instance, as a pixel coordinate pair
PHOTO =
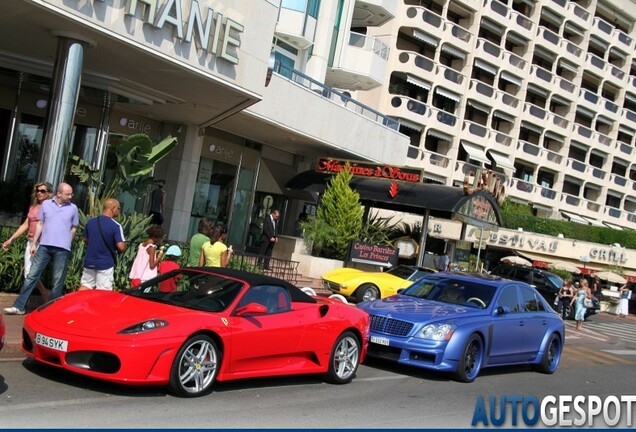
(125, 360)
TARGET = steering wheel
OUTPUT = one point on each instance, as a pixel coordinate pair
(477, 300)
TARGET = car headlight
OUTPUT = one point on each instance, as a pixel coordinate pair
(437, 331)
(144, 326)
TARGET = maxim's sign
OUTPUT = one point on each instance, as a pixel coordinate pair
(210, 30)
(366, 169)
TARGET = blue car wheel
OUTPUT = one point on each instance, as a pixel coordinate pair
(471, 359)
(552, 356)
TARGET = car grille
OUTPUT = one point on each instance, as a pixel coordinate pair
(390, 326)
(331, 286)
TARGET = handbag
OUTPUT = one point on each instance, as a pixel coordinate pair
(588, 303)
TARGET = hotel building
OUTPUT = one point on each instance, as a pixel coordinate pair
(542, 92)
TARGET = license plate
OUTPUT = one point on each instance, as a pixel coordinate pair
(379, 340)
(52, 343)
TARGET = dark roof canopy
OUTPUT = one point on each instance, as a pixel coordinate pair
(442, 201)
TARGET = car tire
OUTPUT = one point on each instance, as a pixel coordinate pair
(551, 356)
(471, 359)
(195, 367)
(367, 292)
(344, 359)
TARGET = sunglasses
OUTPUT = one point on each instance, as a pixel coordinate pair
(42, 191)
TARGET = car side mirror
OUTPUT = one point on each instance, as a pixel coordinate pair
(251, 309)
(502, 310)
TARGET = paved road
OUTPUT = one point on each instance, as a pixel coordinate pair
(382, 395)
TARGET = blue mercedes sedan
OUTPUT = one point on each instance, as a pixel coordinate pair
(463, 322)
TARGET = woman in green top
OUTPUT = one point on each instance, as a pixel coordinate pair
(198, 240)
(215, 253)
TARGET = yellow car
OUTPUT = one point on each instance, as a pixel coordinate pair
(365, 285)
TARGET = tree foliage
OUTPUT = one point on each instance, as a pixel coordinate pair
(338, 219)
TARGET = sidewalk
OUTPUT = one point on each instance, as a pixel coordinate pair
(13, 337)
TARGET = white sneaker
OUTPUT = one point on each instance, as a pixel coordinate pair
(13, 311)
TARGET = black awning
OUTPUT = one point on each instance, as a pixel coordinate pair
(441, 200)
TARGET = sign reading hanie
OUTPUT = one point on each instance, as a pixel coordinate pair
(366, 253)
(368, 169)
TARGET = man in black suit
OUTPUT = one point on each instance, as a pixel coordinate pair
(269, 236)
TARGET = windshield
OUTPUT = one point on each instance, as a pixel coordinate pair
(452, 291)
(401, 271)
(555, 280)
(190, 289)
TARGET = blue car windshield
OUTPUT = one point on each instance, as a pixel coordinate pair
(452, 291)
(190, 289)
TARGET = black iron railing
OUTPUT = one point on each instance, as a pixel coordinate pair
(276, 267)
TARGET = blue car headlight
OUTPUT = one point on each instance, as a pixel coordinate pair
(145, 326)
(437, 332)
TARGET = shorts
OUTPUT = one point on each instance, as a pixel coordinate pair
(98, 279)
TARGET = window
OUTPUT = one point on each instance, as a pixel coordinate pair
(530, 301)
(509, 298)
(274, 298)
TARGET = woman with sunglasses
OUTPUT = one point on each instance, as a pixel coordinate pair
(41, 192)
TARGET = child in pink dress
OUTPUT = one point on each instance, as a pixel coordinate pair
(144, 266)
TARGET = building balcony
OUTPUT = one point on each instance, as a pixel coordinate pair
(321, 118)
(603, 139)
(558, 124)
(583, 133)
(373, 12)
(474, 132)
(296, 27)
(598, 173)
(404, 107)
(528, 151)
(521, 24)
(509, 101)
(589, 100)
(452, 80)
(542, 78)
(539, 115)
(462, 169)
(360, 64)
(432, 162)
(548, 39)
(533, 193)
(570, 51)
(595, 64)
(443, 121)
(482, 92)
(458, 36)
(566, 88)
(579, 15)
(415, 64)
(502, 142)
(488, 51)
(624, 40)
(621, 184)
(518, 65)
(624, 148)
(421, 18)
(497, 12)
(473, 5)
(628, 118)
(615, 75)
(577, 168)
(579, 206)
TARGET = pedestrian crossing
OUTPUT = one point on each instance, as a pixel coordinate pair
(624, 331)
(573, 356)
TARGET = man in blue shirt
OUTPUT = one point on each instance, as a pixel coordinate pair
(103, 237)
(57, 222)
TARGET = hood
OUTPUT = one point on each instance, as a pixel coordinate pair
(418, 310)
(86, 313)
